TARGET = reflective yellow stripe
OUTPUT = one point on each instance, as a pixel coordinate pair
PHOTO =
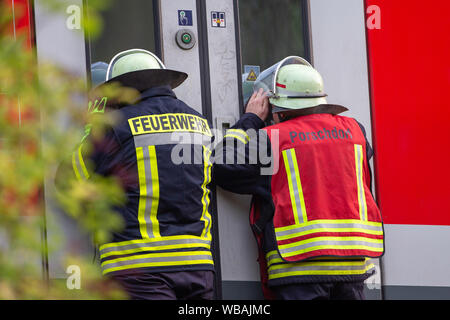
(273, 257)
(299, 185)
(157, 255)
(78, 165)
(83, 166)
(238, 134)
(318, 268)
(295, 186)
(155, 248)
(206, 217)
(148, 192)
(158, 264)
(323, 221)
(74, 165)
(359, 179)
(298, 234)
(117, 245)
(153, 244)
(333, 247)
(155, 193)
(230, 135)
(291, 188)
(158, 260)
(326, 227)
(142, 192)
(334, 239)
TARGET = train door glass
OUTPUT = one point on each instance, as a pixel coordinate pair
(126, 25)
(270, 32)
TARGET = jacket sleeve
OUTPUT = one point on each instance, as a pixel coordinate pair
(92, 155)
(369, 152)
(238, 164)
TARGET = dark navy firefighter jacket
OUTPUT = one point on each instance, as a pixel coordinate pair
(159, 151)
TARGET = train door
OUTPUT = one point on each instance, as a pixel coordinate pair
(266, 33)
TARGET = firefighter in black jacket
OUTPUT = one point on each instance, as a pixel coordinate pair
(313, 214)
(164, 250)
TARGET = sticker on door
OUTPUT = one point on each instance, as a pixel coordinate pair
(218, 19)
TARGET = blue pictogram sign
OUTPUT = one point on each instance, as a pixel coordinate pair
(185, 17)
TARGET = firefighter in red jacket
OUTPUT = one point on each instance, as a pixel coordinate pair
(313, 214)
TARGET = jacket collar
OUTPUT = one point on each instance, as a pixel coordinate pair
(157, 92)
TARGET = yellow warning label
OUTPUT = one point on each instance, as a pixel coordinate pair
(251, 76)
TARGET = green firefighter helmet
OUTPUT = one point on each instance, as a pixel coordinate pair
(292, 84)
(141, 69)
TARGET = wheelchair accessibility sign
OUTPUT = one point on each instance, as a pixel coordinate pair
(218, 19)
(185, 17)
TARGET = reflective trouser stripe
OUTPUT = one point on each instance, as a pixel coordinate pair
(331, 243)
(206, 217)
(273, 258)
(149, 191)
(154, 244)
(238, 134)
(78, 165)
(295, 186)
(158, 260)
(316, 226)
(317, 268)
(359, 179)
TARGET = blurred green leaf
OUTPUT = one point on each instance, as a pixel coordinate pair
(42, 117)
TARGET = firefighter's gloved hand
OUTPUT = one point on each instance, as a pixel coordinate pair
(259, 104)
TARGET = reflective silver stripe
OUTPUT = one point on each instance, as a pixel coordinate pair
(273, 258)
(297, 206)
(360, 183)
(149, 245)
(322, 268)
(149, 198)
(158, 260)
(330, 226)
(156, 139)
(329, 244)
(149, 191)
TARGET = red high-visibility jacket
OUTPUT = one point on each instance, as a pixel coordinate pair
(312, 213)
(323, 204)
